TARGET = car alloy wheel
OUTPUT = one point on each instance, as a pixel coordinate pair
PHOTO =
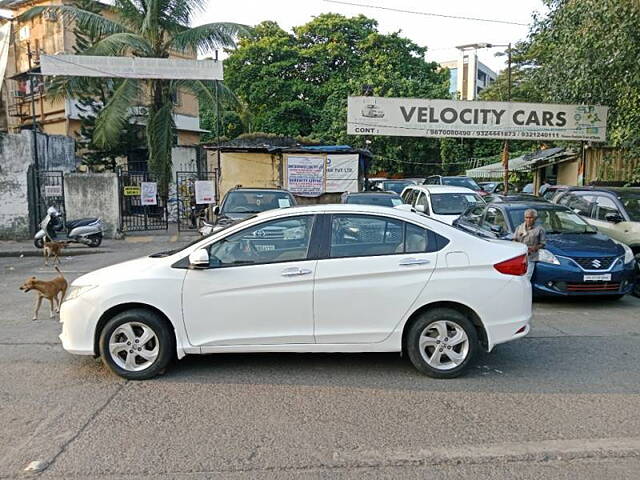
(441, 342)
(137, 344)
(444, 345)
(133, 346)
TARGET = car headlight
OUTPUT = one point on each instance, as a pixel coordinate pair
(546, 256)
(76, 290)
(628, 253)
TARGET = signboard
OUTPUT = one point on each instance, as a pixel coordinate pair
(305, 175)
(148, 194)
(131, 191)
(417, 117)
(53, 190)
(130, 67)
(205, 191)
(342, 173)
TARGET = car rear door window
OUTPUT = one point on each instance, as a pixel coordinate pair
(276, 241)
(364, 235)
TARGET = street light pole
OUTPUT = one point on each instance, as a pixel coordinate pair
(506, 142)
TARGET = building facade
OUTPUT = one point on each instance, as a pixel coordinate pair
(468, 76)
(23, 92)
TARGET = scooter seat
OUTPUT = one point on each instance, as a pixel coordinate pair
(81, 222)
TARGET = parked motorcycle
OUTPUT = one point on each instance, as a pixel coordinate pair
(84, 230)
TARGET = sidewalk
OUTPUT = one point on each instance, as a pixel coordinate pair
(11, 248)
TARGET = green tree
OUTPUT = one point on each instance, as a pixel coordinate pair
(297, 83)
(146, 28)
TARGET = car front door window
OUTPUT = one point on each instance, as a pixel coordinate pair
(270, 242)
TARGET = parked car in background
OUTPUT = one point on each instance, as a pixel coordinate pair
(395, 186)
(577, 260)
(553, 191)
(528, 188)
(335, 278)
(496, 187)
(241, 203)
(382, 199)
(441, 202)
(374, 183)
(455, 181)
(614, 211)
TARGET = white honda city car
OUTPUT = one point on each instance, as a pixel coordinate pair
(326, 278)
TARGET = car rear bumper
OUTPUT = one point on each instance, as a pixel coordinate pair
(568, 281)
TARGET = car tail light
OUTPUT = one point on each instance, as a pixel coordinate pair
(514, 266)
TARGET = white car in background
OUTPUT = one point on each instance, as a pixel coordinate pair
(442, 202)
(325, 278)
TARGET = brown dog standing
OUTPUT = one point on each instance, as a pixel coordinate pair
(48, 289)
(52, 249)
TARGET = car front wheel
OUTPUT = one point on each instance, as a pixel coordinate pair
(442, 343)
(136, 344)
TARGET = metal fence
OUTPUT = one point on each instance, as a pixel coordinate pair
(48, 191)
(190, 213)
(134, 214)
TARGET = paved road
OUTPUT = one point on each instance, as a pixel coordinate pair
(562, 403)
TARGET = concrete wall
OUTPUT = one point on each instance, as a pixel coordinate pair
(15, 158)
(93, 195)
(56, 152)
(261, 170)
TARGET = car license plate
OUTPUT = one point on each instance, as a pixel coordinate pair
(598, 278)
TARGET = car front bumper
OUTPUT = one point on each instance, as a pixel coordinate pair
(567, 280)
(78, 318)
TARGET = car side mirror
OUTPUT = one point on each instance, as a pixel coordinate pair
(419, 208)
(216, 210)
(613, 217)
(199, 259)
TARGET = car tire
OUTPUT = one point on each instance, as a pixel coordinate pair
(448, 332)
(136, 344)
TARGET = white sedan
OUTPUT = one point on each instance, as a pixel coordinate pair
(327, 278)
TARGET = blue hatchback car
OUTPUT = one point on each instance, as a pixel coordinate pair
(577, 260)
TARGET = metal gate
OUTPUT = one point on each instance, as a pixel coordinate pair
(189, 212)
(48, 191)
(134, 215)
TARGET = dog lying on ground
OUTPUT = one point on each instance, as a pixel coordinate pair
(52, 249)
(48, 289)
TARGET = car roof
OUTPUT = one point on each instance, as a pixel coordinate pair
(384, 193)
(442, 189)
(594, 188)
(257, 189)
(524, 205)
(338, 208)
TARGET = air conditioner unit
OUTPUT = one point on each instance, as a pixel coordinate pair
(50, 16)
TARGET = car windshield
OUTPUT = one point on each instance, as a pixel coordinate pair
(488, 186)
(396, 186)
(461, 182)
(255, 202)
(453, 203)
(554, 221)
(381, 200)
(631, 202)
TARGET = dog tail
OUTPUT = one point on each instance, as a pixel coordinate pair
(57, 269)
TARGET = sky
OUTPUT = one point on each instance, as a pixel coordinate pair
(440, 35)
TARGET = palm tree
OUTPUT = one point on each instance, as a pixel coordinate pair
(146, 28)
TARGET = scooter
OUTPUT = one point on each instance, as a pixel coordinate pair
(85, 230)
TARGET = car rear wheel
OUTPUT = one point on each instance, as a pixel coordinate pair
(442, 343)
(136, 345)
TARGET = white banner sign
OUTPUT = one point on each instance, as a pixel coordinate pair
(205, 191)
(342, 173)
(53, 190)
(416, 117)
(148, 193)
(130, 67)
(305, 175)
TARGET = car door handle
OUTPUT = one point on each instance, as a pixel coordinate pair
(407, 262)
(295, 272)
